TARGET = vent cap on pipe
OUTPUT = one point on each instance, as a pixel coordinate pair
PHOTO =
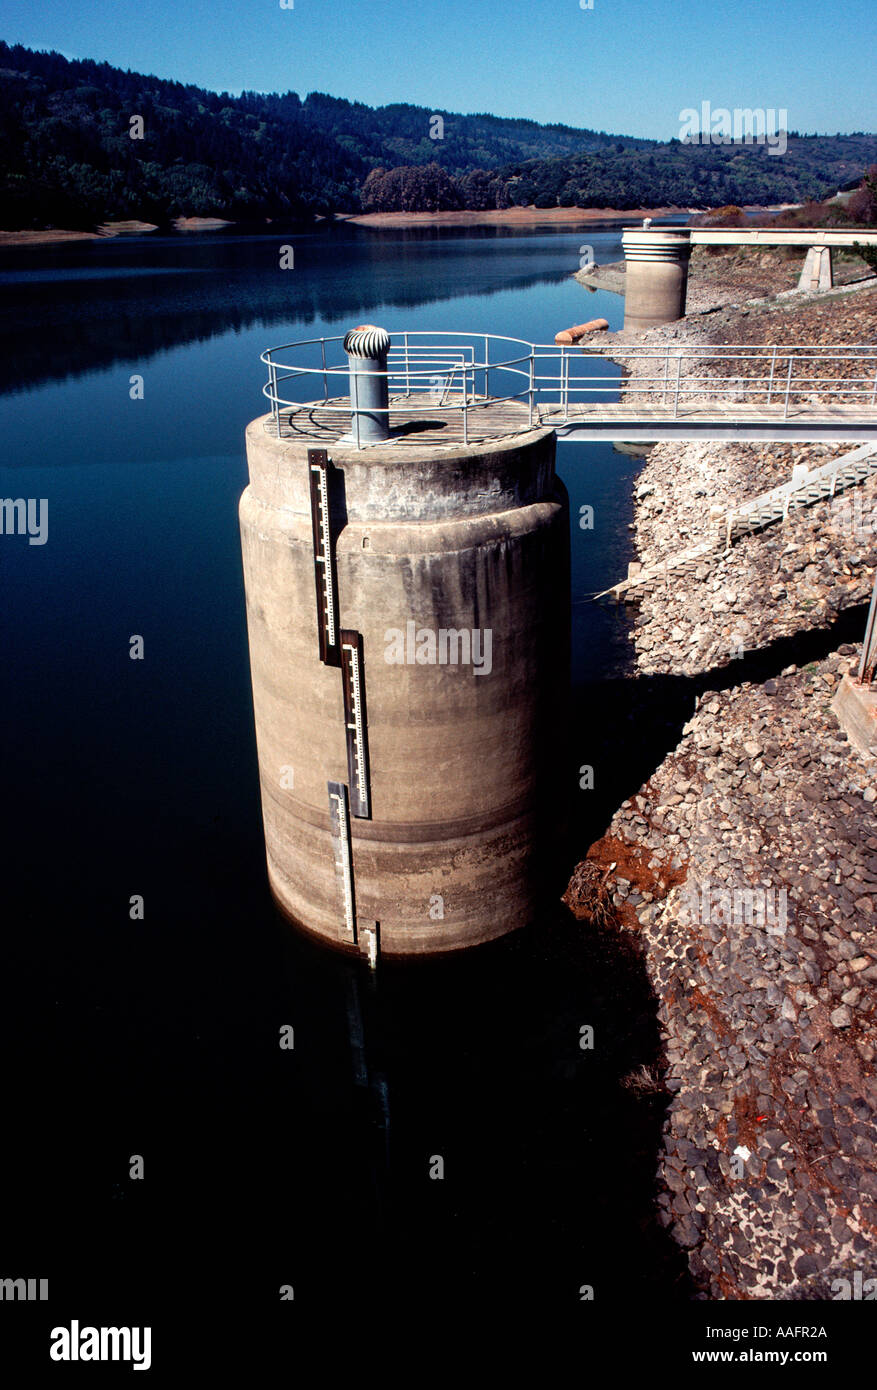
(367, 341)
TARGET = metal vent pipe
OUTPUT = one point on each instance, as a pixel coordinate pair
(367, 348)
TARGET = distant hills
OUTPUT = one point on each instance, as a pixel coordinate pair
(68, 159)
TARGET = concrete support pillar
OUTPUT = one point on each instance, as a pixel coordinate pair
(855, 707)
(656, 276)
(818, 271)
(855, 703)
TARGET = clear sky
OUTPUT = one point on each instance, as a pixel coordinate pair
(625, 66)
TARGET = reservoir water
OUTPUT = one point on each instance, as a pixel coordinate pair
(306, 1167)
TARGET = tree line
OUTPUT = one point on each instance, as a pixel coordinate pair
(72, 154)
(667, 177)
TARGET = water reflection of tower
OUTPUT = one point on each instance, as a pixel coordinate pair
(408, 721)
(370, 1080)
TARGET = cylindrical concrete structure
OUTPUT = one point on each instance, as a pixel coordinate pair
(367, 348)
(453, 565)
(656, 277)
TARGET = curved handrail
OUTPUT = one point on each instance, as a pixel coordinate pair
(420, 361)
(446, 363)
(411, 333)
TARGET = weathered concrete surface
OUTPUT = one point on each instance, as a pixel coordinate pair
(656, 277)
(463, 765)
(856, 708)
(818, 270)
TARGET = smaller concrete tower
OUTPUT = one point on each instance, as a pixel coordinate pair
(656, 276)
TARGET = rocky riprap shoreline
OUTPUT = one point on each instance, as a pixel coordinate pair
(746, 865)
(790, 578)
(732, 276)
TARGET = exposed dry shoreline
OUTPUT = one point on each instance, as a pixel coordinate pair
(109, 230)
(45, 238)
(512, 217)
(767, 1002)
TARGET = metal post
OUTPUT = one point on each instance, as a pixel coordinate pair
(869, 646)
(788, 385)
(676, 393)
(874, 392)
(354, 383)
(666, 373)
(272, 379)
(773, 362)
(325, 378)
(532, 382)
(407, 370)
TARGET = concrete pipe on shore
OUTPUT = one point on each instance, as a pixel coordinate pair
(453, 565)
(580, 330)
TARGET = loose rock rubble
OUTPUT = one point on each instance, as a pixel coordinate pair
(731, 277)
(747, 867)
(794, 576)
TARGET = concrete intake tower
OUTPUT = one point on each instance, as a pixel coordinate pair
(406, 561)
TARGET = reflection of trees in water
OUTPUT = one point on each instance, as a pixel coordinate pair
(170, 295)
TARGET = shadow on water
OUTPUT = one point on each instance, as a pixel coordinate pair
(310, 1167)
(472, 1065)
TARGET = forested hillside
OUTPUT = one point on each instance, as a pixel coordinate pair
(67, 156)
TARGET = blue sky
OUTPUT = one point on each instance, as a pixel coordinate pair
(626, 66)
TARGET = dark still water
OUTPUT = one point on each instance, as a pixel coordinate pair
(263, 1167)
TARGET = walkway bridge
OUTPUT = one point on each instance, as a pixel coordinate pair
(780, 236)
(451, 389)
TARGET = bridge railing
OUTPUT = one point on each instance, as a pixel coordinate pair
(671, 377)
(464, 372)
